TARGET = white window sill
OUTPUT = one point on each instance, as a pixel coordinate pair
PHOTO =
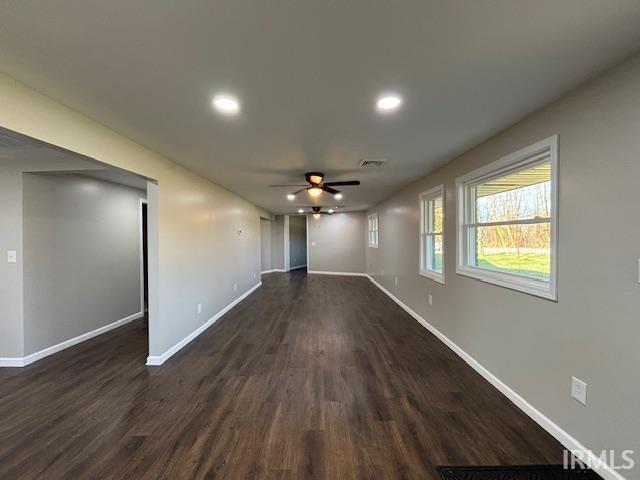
(514, 282)
(373, 246)
(435, 276)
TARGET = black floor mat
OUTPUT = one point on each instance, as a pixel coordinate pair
(518, 472)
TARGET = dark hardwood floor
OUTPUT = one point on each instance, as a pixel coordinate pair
(309, 377)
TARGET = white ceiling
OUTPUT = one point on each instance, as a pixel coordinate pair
(307, 73)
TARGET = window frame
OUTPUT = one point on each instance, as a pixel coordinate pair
(424, 199)
(517, 161)
(373, 216)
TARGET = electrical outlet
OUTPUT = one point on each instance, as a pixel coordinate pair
(255, 276)
(395, 280)
(12, 256)
(579, 390)
(199, 308)
(430, 298)
(235, 287)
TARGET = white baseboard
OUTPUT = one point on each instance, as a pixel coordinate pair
(34, 357)
(298, 267)
(557, 432)
(273, 270)
(160, 359)
(11, 361)
(346, 274)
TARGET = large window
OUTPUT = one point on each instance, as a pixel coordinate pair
(373, 230)
(507, 227)
(431, 234)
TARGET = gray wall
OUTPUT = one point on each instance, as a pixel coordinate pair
(265, 245)
(11, 298)
(337, 243)
(593, 331)
(11, 328)
(277, 242)
(81, 256)
(297, 241)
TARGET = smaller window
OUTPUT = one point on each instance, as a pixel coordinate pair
(432, 234)
(373, 230)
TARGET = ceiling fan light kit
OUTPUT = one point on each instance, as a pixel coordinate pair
(317, 185)
(314, 191)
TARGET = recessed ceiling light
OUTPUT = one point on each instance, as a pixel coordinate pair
(388, 102)
(331, 210)
(338, 196)
(300, 210)
(291, 196)
(226, 104)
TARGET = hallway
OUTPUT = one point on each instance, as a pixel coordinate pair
(311, 376)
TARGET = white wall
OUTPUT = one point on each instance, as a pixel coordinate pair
(593, 331)
(81, 253)
(336, 243)
(207, 237)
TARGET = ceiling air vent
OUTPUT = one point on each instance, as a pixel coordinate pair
(372, 162)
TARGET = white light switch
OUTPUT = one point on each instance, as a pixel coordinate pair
(313, 244)
(199, 308)
(12, 256)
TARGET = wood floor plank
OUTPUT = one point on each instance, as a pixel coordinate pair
(310, 377)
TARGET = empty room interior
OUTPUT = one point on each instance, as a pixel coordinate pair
(320, 239)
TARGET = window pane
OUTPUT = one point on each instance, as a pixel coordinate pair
(517, 249)
(436, 219)
(522, 195)
(434, 253)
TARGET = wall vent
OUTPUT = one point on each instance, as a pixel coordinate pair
(373, 162)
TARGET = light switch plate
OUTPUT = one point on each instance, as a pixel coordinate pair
(579, 390)
(12, 256)
(430, 298)
(199, 308)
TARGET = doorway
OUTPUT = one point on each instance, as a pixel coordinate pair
(144, 262)
(297, 242)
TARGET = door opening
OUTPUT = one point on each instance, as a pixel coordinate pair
(144, 264)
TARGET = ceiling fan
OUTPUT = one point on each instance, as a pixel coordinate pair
(317, 211)
(316, 185)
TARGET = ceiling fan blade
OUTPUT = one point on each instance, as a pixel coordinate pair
(301, 190)
(333, 191)
(347, 182)
(296, 185)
